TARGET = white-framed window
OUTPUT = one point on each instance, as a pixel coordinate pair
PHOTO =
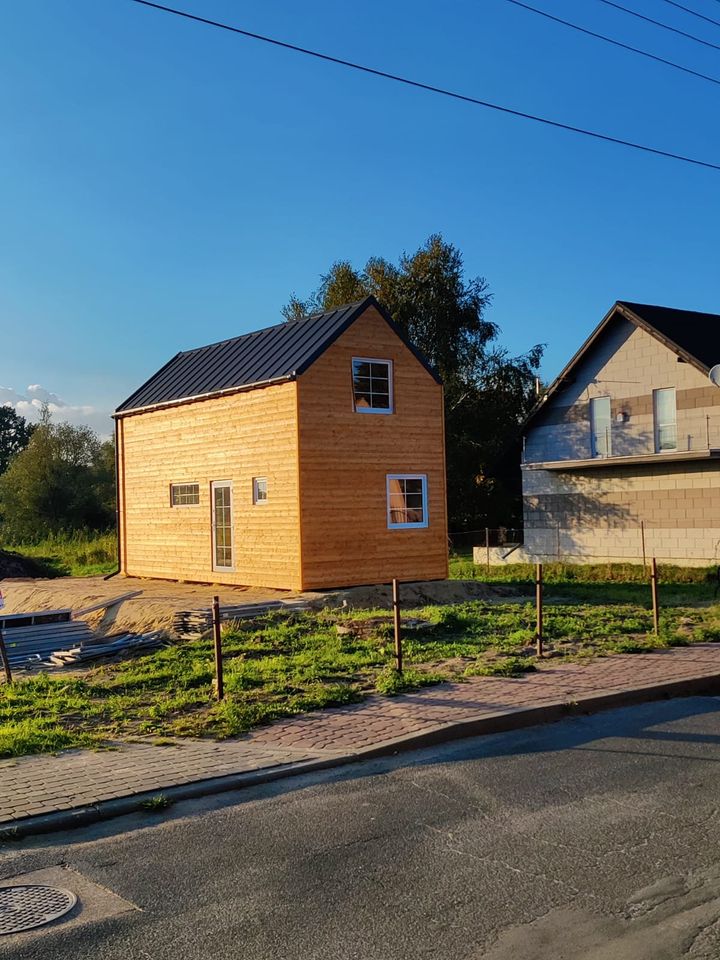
(260, 489)
(665, 416)
(406, 500)
(184, 494)
(600, 427)
(372, 385)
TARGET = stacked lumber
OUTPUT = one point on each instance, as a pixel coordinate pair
(33, 642)
(191, 624)
(51, 638)
(98, 647)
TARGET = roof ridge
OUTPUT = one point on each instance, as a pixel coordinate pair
(660, 306)
(273, 326)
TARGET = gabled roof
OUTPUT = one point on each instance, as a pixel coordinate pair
(272, 355)
(693, 336)
(696, 335)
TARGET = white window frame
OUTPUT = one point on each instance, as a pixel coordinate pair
(184, 483)
(407, 476)
(213, 485)
(257, 500)
(391, 392)
(656, 422)
(594, 449)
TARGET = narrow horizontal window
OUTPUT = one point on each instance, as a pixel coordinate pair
(406, 501)
(260, 490)
(184, 494)
(372, 385)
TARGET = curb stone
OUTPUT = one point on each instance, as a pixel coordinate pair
(502, 721)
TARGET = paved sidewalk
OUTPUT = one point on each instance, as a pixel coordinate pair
(50, 791)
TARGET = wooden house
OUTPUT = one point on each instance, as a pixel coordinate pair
(309, 454)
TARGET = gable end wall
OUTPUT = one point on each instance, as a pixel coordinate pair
(346, 456)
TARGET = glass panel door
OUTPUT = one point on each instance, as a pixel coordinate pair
(222, 525)
(665, 419)
(601, 440)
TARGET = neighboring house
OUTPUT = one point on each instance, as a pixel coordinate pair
(306, 455)
(626, 438)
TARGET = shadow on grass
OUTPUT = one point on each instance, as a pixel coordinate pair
(17, 565)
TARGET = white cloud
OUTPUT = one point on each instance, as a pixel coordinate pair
(30, 403)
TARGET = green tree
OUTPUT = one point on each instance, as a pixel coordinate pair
(61, 482)
(15, 433)
(488, 392)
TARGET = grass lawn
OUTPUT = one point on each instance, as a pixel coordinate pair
(278, 667)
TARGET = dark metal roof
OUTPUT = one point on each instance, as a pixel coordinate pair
(274, 354)
(697, 334)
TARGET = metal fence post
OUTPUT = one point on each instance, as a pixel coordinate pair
(5, 659)
(396, 625)
(219, 686)
(654, 588)
(539, 608)
(642, 538)
(487, 547)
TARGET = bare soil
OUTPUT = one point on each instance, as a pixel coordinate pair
(155, 607)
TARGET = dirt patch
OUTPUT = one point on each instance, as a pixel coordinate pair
(153, 609)
(160, 600)
(422, 593)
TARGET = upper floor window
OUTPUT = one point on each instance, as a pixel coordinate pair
(184, 494)
(600, 425)
(372, 385)
(665, 414)
(260, 489)
(406, 500)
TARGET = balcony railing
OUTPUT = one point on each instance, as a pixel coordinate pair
(693, 432)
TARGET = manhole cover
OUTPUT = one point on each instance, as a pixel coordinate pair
(23, 908)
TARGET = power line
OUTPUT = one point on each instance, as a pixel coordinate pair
(659, 23)
(700, 16)
(615, 43)
(429, 87)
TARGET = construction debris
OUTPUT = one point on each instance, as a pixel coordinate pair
(52, 638)
(37, 635)
(105, 604)
(192, 624)
(95, 648)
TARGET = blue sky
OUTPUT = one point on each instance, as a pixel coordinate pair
(165, 184)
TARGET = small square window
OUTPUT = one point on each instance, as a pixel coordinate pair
(184, 494)
(372, 385)
(406, 501)
(260, 490)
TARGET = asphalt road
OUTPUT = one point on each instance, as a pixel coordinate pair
(592, 839)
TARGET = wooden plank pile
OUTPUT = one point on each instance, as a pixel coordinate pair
(97, 647)
(192, 624)
(34, 636)
(54, 638)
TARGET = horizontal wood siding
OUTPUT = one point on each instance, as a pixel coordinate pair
(246, 435)
(346, 456)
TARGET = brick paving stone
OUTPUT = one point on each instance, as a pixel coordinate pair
(77, 778)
